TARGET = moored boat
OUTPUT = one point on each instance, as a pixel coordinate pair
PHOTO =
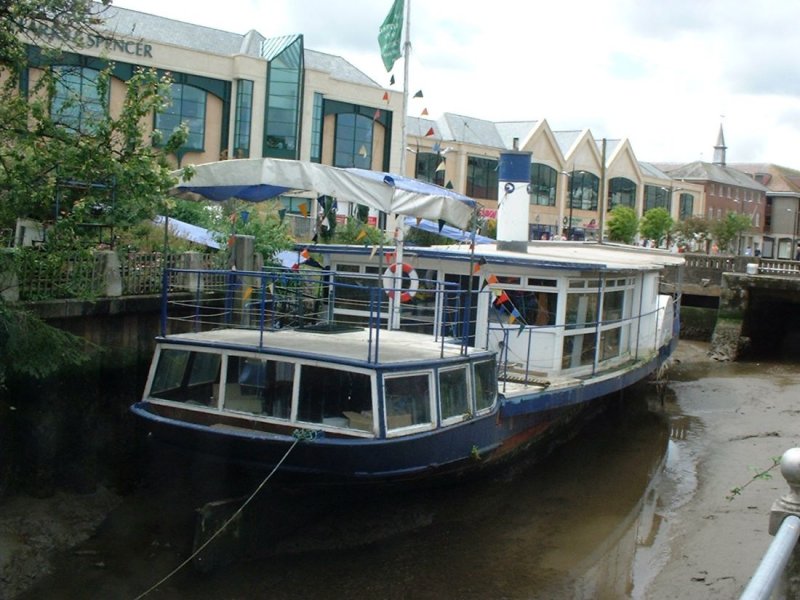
(359, 367)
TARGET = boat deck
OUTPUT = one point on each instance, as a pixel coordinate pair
(393, 346)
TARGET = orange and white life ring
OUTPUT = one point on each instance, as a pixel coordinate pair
(408, 273)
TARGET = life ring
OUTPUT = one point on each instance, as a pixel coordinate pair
(407, 272)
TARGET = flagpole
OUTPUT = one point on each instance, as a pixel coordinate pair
(397, 281)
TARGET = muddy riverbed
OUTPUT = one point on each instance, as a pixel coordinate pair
(636, 507)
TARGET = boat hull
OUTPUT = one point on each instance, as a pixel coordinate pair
(526, 425)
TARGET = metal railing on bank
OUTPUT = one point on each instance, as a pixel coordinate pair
(777, 574)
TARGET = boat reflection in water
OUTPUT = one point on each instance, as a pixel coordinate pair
(568, 527)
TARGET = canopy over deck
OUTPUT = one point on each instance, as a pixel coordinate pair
(258, 179)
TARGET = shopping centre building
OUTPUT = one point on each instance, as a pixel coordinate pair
(247, 96)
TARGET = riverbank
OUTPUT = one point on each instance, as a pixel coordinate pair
(715, 512)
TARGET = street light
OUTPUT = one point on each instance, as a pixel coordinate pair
(571, 195)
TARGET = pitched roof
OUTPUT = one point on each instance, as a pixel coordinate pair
(702, 171)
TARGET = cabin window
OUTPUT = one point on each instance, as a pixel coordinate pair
(610, 345)
(613, 304)
(485, 384)
(185, 376)
(527, 307)
(579, 350)
(454, 393)
(335, 397)
(581, 309)
(408, 400)
(260, 386)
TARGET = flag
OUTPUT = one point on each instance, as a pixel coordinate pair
(303, 208)
(389, 35)
(424, 112)
(362, 152)
(418, 94)
(430, 132)
(490, 280)
(305, 253)
(478, 265)
(377, 114)
(441, 224)
(385, 96)
(441, 166)
(361, 235)
(391, 80)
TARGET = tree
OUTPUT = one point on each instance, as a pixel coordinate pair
(622, 224)
(724, 231)
(52, 168)
(656, 224)
(693, 230)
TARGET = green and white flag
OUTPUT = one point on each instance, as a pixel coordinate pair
(389, 35)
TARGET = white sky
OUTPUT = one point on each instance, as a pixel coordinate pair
(662, 73)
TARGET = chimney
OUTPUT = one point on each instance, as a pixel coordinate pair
(513, 200)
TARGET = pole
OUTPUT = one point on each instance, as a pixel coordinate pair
(397, 279)
(603, 194)
(571, 199)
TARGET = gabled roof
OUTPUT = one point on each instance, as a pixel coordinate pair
(650, 170)
(508, 130)
(469, 130)
(566, 139)
(702, 171)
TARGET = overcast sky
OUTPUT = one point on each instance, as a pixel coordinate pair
(663, 74)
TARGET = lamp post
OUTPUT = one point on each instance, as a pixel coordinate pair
(571, 196)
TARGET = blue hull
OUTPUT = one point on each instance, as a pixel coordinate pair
(515, 427)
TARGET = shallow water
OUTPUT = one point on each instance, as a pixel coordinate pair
(591, 521)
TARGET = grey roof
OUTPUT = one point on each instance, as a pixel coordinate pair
(418, 127)
(337, 67)
(650, 170)
(702, 171)
(566, 139)
(135, 24)
(508, 130)
(469, 130)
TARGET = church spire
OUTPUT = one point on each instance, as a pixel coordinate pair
(720, 148)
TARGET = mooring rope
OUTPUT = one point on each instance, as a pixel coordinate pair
(299, 436)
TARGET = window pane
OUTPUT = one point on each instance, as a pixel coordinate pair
(613, 303)
(328, 396)
(578, 350)
(485, 384)
(408, 400)
(183, 376)
(454, 393)
(581, 310)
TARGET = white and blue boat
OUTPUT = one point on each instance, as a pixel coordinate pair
(444, 361)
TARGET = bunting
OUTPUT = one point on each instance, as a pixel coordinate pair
(385, 96)
(361, 235)
(430, 132)
(303, 208)
(391, 80)
(377, 114)
(478, 266)
(305, 253)
(424, 112)
(418, 94)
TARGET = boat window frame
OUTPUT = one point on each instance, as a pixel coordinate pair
(432, 405)
(458, 418)
(209, 405)
(493, 380)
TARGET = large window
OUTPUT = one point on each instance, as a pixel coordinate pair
(353, 141)
(485, 385)
(686, 206)
(656, 197)
(621, 192)
(543, 185)
(583, 189)
(482, 177)
(284, 93)
(244, 119)
(316, 128)
(430, 167)
(78, 102)
(188, 106)
(184, 376)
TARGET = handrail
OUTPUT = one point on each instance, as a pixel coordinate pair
(784, 524)
(770, 571)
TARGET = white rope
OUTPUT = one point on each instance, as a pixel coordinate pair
(224, 525)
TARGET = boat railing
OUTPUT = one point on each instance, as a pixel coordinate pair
(586, 348)
(778, 570)
(274, 299)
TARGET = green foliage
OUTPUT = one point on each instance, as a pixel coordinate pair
(29, 347)
(358, 232)
(724, 231)
(758, 475)
(419, 237)
(622, 224)
(271, 235)
(656, 224)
